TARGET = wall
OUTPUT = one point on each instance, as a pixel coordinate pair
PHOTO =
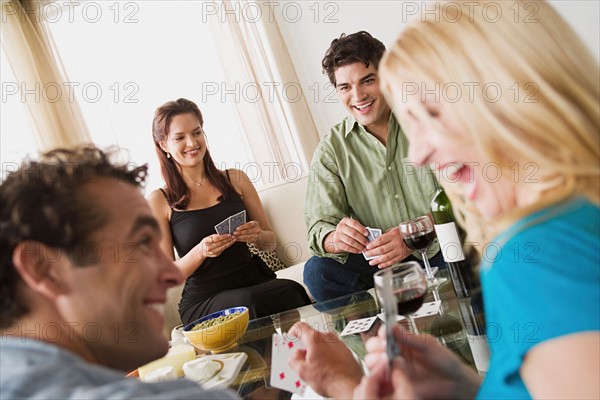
(309, 26)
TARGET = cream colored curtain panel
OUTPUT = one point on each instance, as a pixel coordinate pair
(30, 50)
(272, 108)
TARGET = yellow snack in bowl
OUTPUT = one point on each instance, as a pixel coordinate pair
(176, 357)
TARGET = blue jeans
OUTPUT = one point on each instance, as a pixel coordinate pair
(327, 278)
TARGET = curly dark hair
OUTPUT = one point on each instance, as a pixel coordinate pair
(43, 201)
(348, 49)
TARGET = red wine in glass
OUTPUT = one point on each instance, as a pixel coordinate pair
(408, 288)
(418, 234)
(420, 241)
(410, 300)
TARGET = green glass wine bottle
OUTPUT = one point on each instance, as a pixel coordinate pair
(464, 279)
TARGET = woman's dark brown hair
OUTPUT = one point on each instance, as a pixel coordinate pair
(357, 47)
(177, 192)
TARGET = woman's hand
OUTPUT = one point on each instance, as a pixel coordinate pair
(376, 385)
(247, 232)
(213, 245)
(432, 370)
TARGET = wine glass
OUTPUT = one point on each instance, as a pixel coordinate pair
(409, 287)
(418, 234)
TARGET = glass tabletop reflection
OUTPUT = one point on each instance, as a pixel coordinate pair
(456, 323)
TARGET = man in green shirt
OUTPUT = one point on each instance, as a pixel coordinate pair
(359, 178)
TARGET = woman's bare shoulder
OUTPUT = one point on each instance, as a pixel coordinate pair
(237, 176)
(157, 199)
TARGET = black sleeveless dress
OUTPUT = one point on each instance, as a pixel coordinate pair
(235, 277)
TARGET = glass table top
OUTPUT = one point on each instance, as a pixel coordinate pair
(457, 323)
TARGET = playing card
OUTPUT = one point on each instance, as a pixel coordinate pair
(223, 227)
(237, 220)
(373, 234)
(358, 325)
(426, 310)
(282, 376)
(369, 258)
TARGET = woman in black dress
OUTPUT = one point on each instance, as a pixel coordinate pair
(219, 269)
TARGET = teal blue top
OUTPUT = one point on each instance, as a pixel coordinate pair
(541, 280)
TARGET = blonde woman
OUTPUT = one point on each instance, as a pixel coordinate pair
(507, 109)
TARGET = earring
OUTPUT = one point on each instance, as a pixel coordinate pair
(168, 155)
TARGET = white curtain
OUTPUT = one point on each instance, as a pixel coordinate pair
(272, 108)
(38, 70)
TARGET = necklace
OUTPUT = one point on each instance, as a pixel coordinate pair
(201, 181)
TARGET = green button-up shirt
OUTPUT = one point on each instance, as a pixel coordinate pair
(353, 174)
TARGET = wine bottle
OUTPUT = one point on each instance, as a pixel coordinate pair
(471, 310)
(464, 279)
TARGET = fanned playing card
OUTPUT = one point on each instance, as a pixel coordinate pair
(237, 220)
(358, 325)
(223, 227)
(282, 376)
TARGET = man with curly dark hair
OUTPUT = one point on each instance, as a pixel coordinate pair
(82, 281)
(358, 179)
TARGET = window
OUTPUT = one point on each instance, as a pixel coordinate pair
(124, 59)
(16, 140)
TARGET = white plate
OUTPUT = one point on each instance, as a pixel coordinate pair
(219, 365)
(232, 364)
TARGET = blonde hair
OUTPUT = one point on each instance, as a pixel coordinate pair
(548, 113)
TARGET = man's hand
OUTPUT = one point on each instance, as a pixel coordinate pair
(389, 247)
(327, 365)
(349, 237)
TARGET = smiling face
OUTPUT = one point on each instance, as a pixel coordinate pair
(186, 141)
(437, 138)
(358, 90)
(114, 301)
